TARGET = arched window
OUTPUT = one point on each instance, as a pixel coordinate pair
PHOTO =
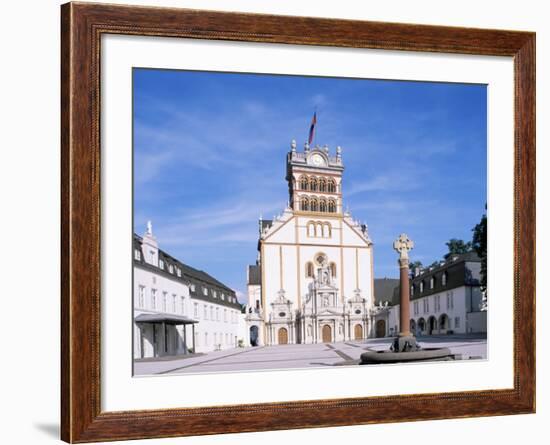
(313, 205)
(320, 229)
(322, 185)
(303, 182)
(331, 186)
(304, 204)
(328, 230)
(313, 184)
(309, 269)
(311, 229)
(333, 270)
(322, 205)
(332, 206)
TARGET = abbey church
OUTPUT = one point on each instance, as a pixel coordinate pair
(313, 279)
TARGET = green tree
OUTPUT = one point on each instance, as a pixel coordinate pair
(479, 245)
(457, 246)
(413, 265)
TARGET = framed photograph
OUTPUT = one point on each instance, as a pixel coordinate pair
(275, 222)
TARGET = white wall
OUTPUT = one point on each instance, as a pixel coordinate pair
(219, 329)
(353, 262)
(29, 179)
(172, 290)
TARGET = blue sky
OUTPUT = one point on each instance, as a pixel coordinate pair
(210, 148)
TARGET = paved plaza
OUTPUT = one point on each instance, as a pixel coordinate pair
(299, 356)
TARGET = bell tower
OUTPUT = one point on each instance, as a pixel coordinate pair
(315, 179)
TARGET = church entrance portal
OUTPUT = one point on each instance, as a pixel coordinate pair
(327, 334)
(380, 328)
(253, 335)
(358, 331)
(283, 336)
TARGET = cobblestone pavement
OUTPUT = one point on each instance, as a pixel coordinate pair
(301, 356)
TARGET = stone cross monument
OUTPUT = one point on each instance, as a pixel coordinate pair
(403, 245)
(404, 347)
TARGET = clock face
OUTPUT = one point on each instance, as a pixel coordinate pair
(317, 160)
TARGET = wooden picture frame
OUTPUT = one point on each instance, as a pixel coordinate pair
(82, 26)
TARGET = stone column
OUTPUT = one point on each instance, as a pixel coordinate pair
(403, 245)
(404, 298)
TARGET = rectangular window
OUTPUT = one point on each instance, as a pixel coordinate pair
(164, 301)
(457, 322)
(206, 339)
(225, 315)
(174, 303)
(153, 298)
(196, 310)
(204, 310)
(218, 314)
(137, 255)
(215, 294)
(141, 296)
(204, 291)
(161, 264)
(183, 305)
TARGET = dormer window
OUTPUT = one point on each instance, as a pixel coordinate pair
(432, 282)
(444, 279)
(161, 264)
(178, 272)
(192, 287)
(422, 286)
(137, 255)
(204, 291)
(171, 268)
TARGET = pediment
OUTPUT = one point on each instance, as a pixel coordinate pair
(328, 312)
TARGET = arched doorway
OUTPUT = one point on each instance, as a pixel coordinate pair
(358, 332)
(443, 323)
(283, 336)
(253, 335)
(327, 333)
(432, 325)
(380, 328)
(412, 326)
(422, 325)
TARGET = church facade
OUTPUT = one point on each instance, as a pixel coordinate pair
(313, 278)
